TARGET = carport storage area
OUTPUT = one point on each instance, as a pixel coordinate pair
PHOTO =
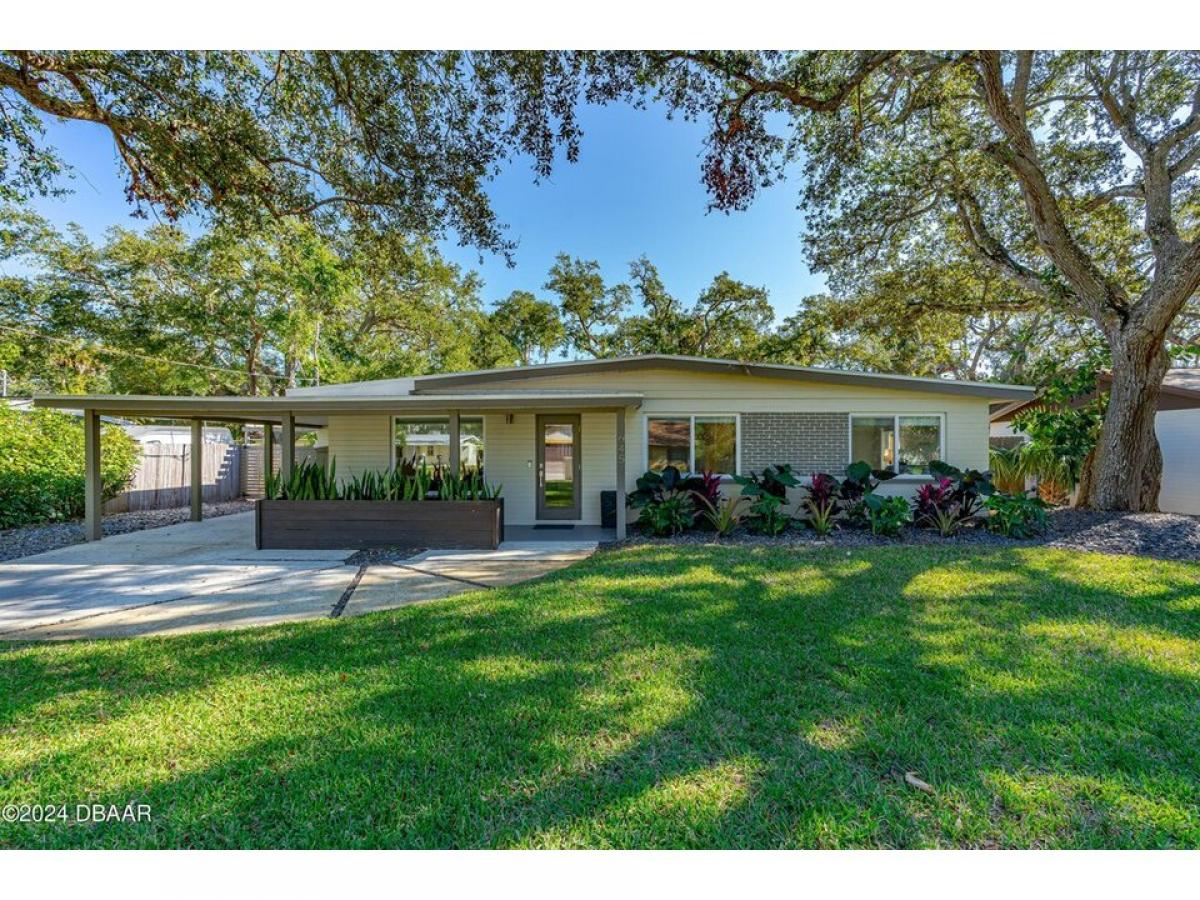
(360, 430)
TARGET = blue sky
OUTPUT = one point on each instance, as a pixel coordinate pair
(636, 189)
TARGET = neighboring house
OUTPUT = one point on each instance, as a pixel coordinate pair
(1177, 425)
(176, 434)
(558, 435)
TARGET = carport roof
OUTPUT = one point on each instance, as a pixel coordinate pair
(312, 410)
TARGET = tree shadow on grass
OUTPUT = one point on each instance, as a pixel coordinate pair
(657, 696)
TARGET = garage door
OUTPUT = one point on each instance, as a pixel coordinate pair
(1179, 436)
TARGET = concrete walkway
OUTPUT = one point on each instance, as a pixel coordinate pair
(208, 576)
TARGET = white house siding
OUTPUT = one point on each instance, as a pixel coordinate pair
(360, 443)
(364, 442)
(509, 460)
(1179, 437)
(670, 391)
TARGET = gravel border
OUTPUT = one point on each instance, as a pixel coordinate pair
(1167, 536)
(379, 556)
(30, 539)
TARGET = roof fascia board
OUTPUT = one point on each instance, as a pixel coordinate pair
(429, 384)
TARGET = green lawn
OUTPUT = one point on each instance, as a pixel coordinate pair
(651, 697)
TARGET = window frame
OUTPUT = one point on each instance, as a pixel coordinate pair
(433, 418)
(691, 417)
(896, 417)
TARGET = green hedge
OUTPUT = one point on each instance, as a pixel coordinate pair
(41, 465)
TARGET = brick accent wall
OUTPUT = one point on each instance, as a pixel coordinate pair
(810, 442)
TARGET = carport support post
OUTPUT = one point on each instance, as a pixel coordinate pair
(268, 460)
(455, 444)
(287, 437)
(92, 489)
(620, 474)
(197, 482)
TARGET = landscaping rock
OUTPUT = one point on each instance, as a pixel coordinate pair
(1157, 535)
(30, 539)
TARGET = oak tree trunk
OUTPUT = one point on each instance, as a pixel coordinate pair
(1127, 469)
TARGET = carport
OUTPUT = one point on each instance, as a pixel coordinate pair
(270, 412)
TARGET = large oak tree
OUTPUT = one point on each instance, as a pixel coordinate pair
(394, 141)
(1072, 175)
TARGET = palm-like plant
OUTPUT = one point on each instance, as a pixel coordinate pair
(1009, 468)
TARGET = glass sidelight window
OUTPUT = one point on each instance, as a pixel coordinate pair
(904, 444)
(692, 443)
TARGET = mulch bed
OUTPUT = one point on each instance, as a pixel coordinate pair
(1157, 535)
(30, 539)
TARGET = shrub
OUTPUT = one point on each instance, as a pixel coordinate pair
(859, 483)
(724, 515)
(41, 465)
(667, 504)
(937, 507)
(887, 515)
(767, 493)
(706, 486)
(1016, 515)
(767, 515)
(1062, 429)
(672, 514)
(970, 486)
(773, 480)
(821, 502)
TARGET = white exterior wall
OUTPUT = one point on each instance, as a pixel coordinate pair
(364, 441)
(670, 391)
(360, 443)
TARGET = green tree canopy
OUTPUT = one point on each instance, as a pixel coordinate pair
(530, 326)
(391, 141)
(1071, 175)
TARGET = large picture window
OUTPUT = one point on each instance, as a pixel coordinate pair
(904, 444)
(424, 443)
(692, 443)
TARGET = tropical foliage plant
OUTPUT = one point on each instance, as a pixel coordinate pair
(724, 515)
(767, 515)
(936, 507)
(821, 502)
(1008, 468)
(1016, 515)
(887, 516)
(671, 514)
(859, 483)
(1062, 430)
(969, 486)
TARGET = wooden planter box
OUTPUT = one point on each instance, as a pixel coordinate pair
(360, 524)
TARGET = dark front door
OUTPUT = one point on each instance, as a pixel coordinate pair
(558, 467)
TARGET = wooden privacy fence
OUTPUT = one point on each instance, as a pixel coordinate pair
(162, 478)
(252, 467)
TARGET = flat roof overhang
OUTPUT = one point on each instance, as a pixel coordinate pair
(311, 411)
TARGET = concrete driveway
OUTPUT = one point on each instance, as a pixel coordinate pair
(207, 576)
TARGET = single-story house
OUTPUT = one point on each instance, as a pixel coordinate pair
(1177, 425)
(558, 435)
